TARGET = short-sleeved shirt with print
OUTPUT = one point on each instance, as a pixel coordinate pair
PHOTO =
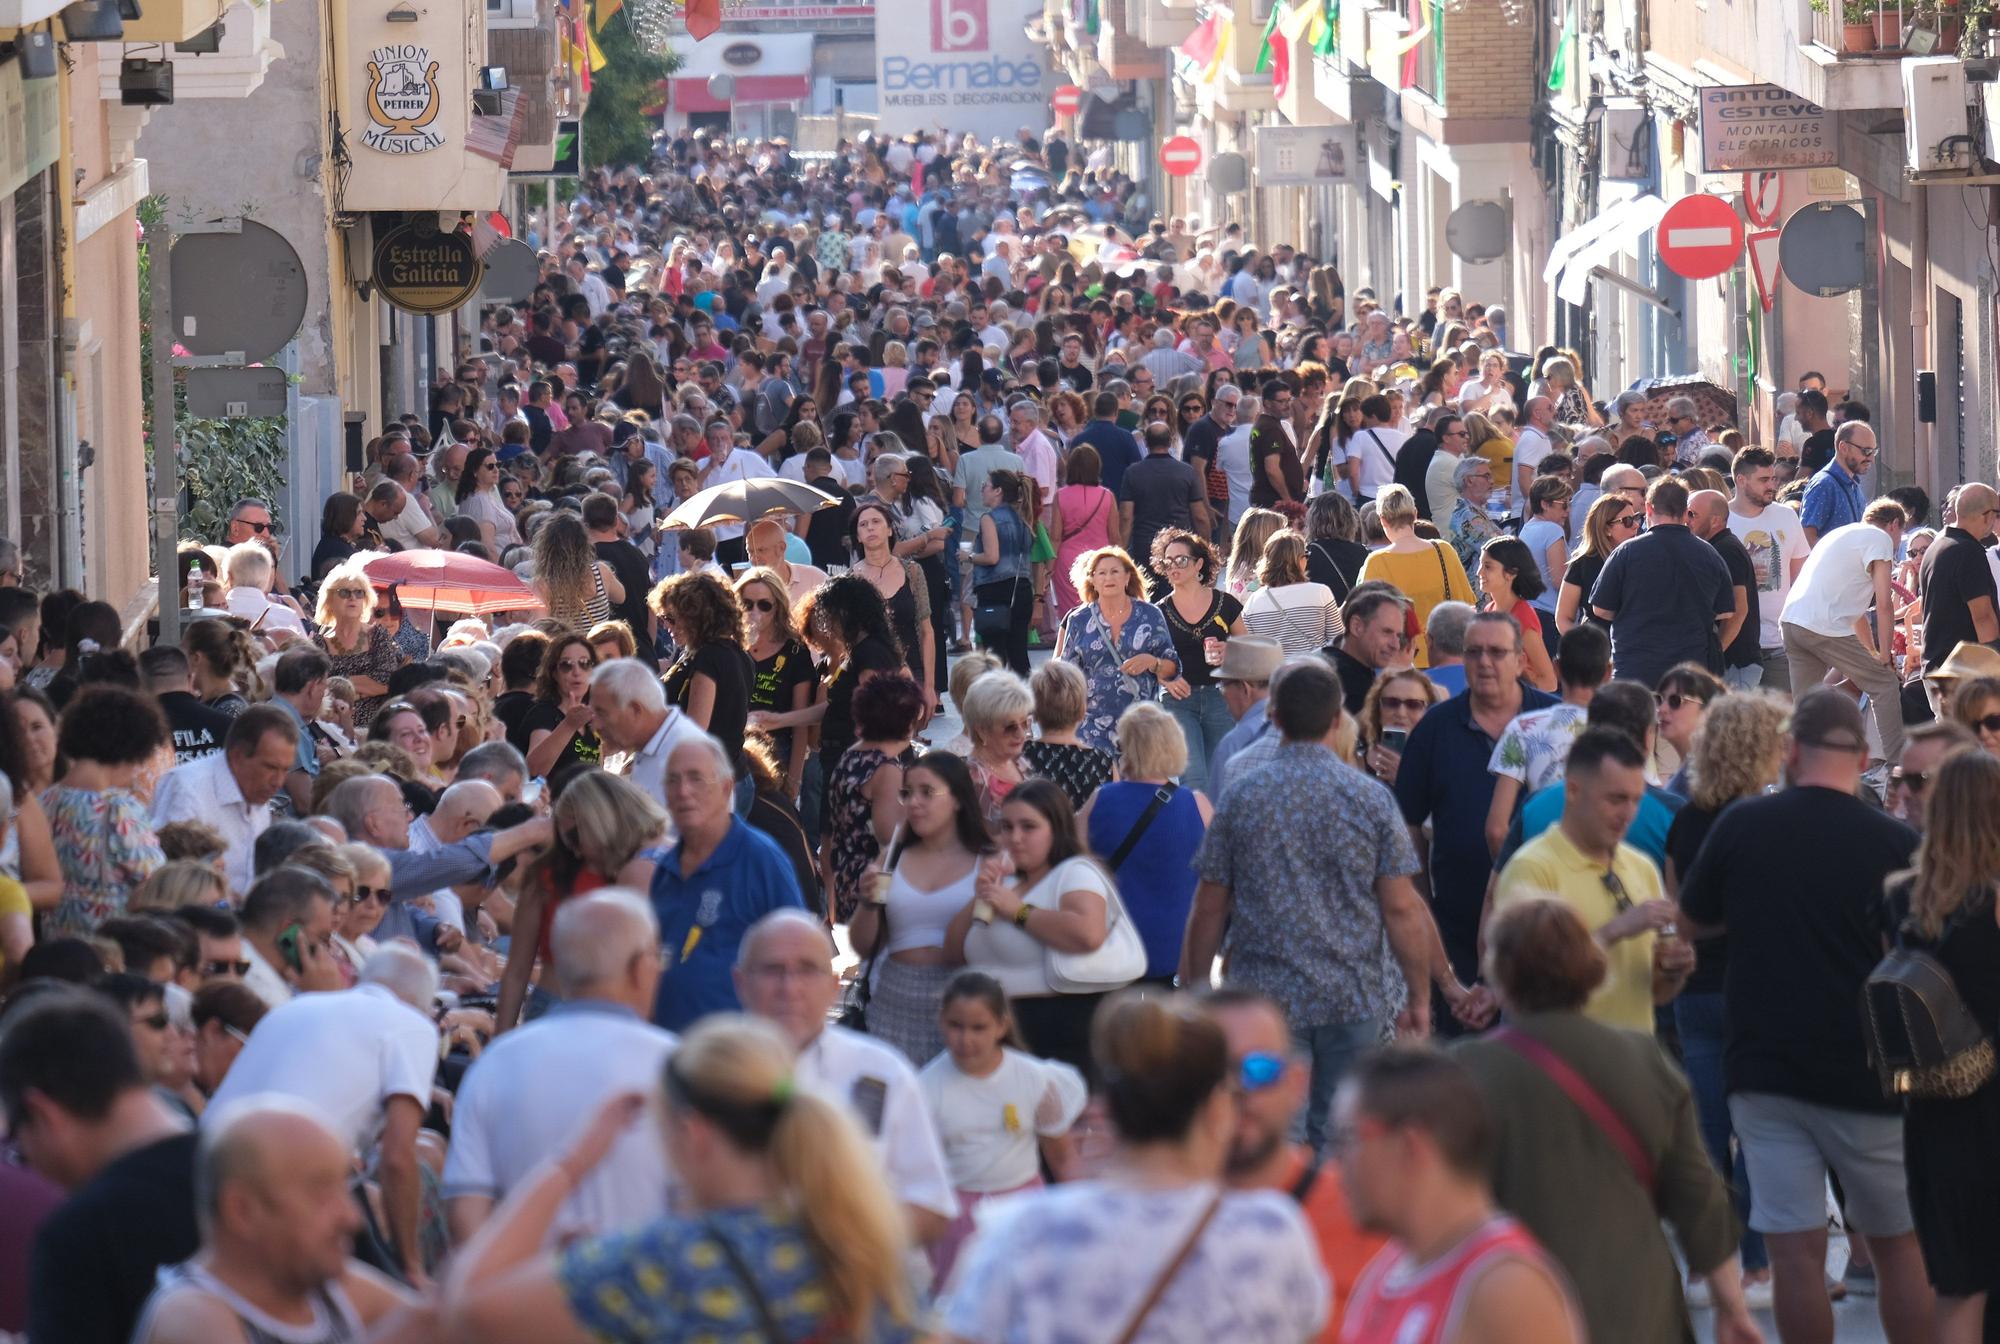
(1536, 744)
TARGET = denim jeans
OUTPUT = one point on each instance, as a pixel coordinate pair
(1699, 1019)
(1744, 678)
(1334, 1047)
(1204, 721)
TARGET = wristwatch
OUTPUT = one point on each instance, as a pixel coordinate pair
(1021, 916)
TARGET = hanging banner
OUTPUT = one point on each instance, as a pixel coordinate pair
(1303, 156)
(962, 65)
(1745, 127)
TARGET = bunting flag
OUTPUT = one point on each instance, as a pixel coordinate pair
(1559, 67)
(1225, 39)
(1325, 30)
(1420, 28)
(1296, 34)
(601, 12)
(704, 17)
(1265, 53)
(1199, 47)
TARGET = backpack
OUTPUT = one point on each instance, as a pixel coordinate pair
(1922, 1040)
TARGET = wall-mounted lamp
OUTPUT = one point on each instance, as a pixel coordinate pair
(494, 77)
(36, 50)
(402, 14)
(93, 21)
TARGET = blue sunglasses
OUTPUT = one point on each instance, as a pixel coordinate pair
(1259, 1070)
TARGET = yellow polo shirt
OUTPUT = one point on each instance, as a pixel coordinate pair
(1550, 865)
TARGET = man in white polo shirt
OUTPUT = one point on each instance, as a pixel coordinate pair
(634, 719)
(727, 463)
(521, 1099)
(784, 973)
(366, 1057)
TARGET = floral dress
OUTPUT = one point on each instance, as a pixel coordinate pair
(1086, 641)
(852, 824)
(106, 847)
(378, 658)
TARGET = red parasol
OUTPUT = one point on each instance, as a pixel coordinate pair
(434, 580)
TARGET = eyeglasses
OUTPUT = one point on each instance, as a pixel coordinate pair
(1258, 1070)
(1019, 726)
(1397, 702)
(157, 1021)
(350, 594)
(259, 528)
(1989, 724)
(489, 466)
(241, 1037)
(1616, 887)
(1495, 652)
(377, 894)
(1626, 520)
(1913, 780)
(762, 604)
(238, 969)
(1676, 699)
(1195, 407)
(1177, 561)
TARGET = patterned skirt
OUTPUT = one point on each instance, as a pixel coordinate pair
(903, 1010)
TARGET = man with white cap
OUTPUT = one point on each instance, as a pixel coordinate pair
(1248, 664)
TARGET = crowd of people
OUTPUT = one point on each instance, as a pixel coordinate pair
(1415, 844)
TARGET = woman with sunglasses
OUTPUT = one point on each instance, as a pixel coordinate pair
(1612, 521)
(561, 732)
(1976, 704)
(785, 679)
(362, 906)
(1393, 705)
(478, 496)
(362, 650)
(1191, 407)
(1684, 693)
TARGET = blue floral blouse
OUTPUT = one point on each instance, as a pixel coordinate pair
(1086, 641)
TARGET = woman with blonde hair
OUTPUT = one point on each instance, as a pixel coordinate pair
(180, 882)
(1061, 699)
(577, 588)
(1119, 640)
(1954, 1176)
(361, 649)
(1246, 549)
(1425, 571)
(1737, 753)
(791, 1219)
(1612, 521)
(785, 680)
(611, 639)
(1302, 616)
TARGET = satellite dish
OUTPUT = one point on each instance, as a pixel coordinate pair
(236, 291)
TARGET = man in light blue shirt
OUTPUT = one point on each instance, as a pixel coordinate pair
(1248, 664)
(1834, 499)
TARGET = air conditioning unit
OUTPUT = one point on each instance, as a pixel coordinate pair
(1937, 128)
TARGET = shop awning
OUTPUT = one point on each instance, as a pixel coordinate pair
(767, 67)
(1581, 251)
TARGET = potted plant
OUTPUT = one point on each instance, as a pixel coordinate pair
(1888, 20)
(1857, 22)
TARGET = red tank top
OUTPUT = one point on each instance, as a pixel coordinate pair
(1397, 1302)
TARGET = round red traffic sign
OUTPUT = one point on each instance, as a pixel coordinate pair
(1068, 100)
(1181, 155)
(1700, 236)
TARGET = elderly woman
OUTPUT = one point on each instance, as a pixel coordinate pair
(1427, 572)
(1120, 642)
(1060, 696)
(1565, 1173)
(1302, 616)
(247, 569)
(1149, 829)
(361, 649)
(104, 840)
(1393, 705)
(997, 710)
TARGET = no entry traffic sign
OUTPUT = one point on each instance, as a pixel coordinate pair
(1068, 100)
(1700, 236)
(1181, 155)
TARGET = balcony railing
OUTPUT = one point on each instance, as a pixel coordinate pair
(1887, 22)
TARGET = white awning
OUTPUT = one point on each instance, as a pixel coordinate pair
(1583, 250)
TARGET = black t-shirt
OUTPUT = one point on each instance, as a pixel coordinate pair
(836, 730)
(1078, 376)
(1954, 571)
(1689, 828)
(1413, 464)
(730, 668)
(583, 747)
(198, 730)
(1162, 491)
(1267, 440)
(1744, 650)
(826, 529)
(511, 708)
(95, 1258)
(635, 575)
(331, 552)
(1795, 880)
(1355, 676)
(1337, 564)
(1202, 442)
(1189, 637)
(1817, 452)
(777, 679)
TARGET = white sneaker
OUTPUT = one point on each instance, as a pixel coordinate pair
(1698, 1296)
(1757, 1296)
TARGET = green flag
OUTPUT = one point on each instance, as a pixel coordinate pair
(1559, 67)
(1270, 27)
(1326, 32)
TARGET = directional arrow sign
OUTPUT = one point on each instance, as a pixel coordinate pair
(1181, 155)
(1700, 236)
(1764, 264)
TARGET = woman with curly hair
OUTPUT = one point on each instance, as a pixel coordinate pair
(1200, 619)
(711, 679)
(1737, 752)
(851, 627)
(361, 649)
(561, 731)
(104, 840)
(577, 588)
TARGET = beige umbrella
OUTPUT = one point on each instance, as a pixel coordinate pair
(747, 502)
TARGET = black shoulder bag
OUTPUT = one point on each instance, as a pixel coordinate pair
(767, 1320)
(1161, 797)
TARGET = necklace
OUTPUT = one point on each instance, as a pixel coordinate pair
(1172, 605)
(881, 571)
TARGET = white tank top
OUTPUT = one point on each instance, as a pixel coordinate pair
(917, 918)
(334, 1319)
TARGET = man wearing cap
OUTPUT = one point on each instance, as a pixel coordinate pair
(1248, 664)
(1804, 931)
(1956, 582)
(1826, 618)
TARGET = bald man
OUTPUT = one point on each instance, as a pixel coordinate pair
(767, 549)
(1955, 580)
(784, 974)
(462, 809)
(1742, 655)
(521, 1099)
(277, 1222)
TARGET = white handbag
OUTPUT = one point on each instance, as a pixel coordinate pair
(1117, 961)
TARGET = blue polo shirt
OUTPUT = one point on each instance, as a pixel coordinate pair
(1443, 779)
(704, 916)
(1833, 499)
(1116, 448)
(1647, 833)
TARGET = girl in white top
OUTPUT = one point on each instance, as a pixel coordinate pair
(1046, 896)
(900, 925)
(996, 1110)
(1303, 617)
